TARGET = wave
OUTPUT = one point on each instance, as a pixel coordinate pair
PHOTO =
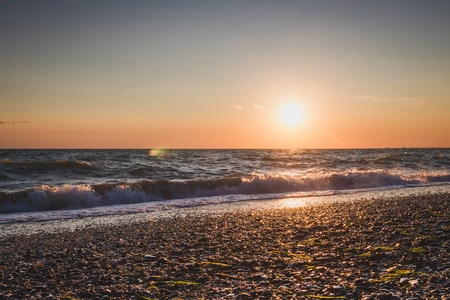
(389, 158)
(46, 197)
(64, 164)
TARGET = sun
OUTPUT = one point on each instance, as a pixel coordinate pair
(291, 114)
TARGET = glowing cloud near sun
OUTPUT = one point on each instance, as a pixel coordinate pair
(291, 114)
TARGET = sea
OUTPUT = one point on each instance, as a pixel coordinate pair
(40, 185)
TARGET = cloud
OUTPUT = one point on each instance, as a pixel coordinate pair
(256, 106)
(386, 99)
(408, 102)
(15, 122)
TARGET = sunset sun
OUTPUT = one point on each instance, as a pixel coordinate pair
(291, 114)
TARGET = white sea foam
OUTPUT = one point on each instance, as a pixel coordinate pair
(286, 199)
(84, 196)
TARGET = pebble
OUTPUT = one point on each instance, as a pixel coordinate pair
(243, 296)
(414, 282)
(239, 255)
(403, 281)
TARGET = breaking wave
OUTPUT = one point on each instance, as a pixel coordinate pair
(66, 197)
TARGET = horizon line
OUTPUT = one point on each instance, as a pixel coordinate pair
(281, 148)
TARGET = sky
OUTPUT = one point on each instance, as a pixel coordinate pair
(220, 74)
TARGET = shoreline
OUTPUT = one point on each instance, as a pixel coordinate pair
(385, 248)
(289, 200)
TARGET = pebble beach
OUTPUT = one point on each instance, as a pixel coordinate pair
(383, 248)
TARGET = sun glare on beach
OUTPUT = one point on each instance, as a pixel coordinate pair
(291, 114)
(293, 202)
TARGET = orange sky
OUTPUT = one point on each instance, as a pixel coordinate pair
(157, 74)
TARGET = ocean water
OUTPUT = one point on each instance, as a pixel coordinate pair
(40, 185)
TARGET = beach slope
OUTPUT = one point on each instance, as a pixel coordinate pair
(387, 248)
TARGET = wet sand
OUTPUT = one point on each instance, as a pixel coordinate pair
(386, 248)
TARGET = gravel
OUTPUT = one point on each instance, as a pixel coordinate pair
(387, 248)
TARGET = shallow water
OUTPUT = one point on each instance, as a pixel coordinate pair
(289, 201)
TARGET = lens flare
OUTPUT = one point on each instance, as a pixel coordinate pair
(157, 152)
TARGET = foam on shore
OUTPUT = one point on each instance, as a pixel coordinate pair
(53, 221)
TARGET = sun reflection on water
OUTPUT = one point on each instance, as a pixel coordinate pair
(292, 203)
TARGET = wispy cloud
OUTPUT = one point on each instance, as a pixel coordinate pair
(404, 101)
(386, 99)
(256, 106)
(15, 122)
